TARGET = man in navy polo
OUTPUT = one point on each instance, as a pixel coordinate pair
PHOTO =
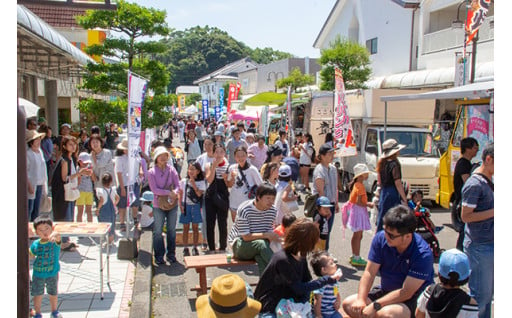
(406, 267)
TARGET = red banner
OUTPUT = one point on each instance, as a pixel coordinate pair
(238, 86)
(231, 96)
(476, 15)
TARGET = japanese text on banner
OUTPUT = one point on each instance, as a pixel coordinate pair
(343, 132)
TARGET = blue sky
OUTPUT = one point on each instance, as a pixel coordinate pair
(285, 25)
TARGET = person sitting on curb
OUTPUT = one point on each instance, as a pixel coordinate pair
(406, 266)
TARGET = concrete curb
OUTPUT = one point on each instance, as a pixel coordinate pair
(141, 298)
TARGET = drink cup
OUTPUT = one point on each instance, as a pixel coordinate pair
(229, 256)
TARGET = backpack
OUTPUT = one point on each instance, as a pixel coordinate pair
(310, 205)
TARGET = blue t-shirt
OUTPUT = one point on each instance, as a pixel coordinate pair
(477, 194)
(329, 294)
(46, 263)
(416, 261)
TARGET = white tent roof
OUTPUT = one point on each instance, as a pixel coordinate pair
(475, 90)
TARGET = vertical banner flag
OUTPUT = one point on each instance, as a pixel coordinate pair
(264, 122)
(219, 108)
(476, 15)
(343, 132)
(136, 93)
(181, 102)
(289, 112)
(461, 69)
(205, 109)
(231, 96)
(238, 86)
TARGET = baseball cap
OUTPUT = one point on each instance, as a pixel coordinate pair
(84, 157)
(325, 148)
(285, 171)
(323, 201)
(456, 261)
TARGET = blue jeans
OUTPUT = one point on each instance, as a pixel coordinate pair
(481, 280)
(70, 217)
(33, 204)
(170, 218)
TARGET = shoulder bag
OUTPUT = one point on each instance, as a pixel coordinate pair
(251, 191)
(164, 202)
(46, 201)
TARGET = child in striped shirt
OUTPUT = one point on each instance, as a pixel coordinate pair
(326, 300)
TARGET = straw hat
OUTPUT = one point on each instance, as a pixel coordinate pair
(227, 298)
(123, 145)
(160, 150)
(360, 169)
(33, 134)
(390, 147)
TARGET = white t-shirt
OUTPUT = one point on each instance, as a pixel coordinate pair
(122, 166)
(305, 155)
(201, 185)
(239, 192)
(145, 219)
(103, 192)
(203, 159)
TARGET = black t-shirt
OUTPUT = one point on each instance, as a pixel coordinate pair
(392, 171)
(463, 166)
(110, 142)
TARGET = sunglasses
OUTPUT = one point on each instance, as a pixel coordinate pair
(393, 236)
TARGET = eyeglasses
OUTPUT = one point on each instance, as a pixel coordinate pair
(393, 236)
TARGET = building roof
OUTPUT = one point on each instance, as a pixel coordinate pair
(56, 15)
(229, 69)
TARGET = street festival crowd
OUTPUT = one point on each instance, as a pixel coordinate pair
(231, 171)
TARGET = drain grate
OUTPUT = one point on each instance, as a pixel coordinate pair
(171, 290)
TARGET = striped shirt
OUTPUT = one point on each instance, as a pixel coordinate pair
(329, 294)
(251, 220)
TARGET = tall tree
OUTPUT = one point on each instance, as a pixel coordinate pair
(131, 22)
(353, 60)
(268, 55)
(296, 79)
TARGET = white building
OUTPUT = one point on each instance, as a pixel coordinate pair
(413, 44)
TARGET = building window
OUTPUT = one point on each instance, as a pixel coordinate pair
(371, 45)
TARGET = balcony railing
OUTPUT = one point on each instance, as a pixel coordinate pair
(452, 38)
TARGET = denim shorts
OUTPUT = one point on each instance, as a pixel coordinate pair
(123, 200)
(192, 215)
(38, 284)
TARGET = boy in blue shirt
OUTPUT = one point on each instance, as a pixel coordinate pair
(327, 300)
(45, 269)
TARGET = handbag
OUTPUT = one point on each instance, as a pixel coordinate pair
(310, 204)
(164, 201)
(71, 192)
(292, 205)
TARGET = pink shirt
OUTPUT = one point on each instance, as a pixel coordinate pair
(160, 182)
(260, 155)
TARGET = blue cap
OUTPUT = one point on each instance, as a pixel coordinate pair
(456, 261)
(285, 171)
(324, 201)
(147, 196)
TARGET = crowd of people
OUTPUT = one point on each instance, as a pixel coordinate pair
(232, 171)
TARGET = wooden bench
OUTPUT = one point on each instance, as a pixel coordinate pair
(201, 262)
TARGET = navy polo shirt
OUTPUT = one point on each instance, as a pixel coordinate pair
(416, 261)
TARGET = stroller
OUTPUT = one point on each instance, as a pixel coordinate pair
(428, 231)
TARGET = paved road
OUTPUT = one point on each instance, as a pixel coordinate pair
(171, 284)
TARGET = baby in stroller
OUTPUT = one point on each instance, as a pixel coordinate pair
(425, 227)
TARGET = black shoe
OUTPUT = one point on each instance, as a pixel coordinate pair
(195, 252)
(159, 260)
(186, 252)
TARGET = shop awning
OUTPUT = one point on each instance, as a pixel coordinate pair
(471, 91)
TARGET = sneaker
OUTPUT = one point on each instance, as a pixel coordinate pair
(186, 252)
(357, 261)
(195, 252)
(56, 314)
(205, 247)
(38, 316)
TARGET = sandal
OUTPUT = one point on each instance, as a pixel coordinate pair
(70, 248)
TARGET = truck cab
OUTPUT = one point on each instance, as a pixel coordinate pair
(419, 160)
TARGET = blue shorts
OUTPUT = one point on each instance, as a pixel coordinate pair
(38, 284)
(122, 200)
(192, 215)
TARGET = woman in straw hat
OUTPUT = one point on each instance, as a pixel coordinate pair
(287, 275)
(227, 299)
(164, 181)
(37, 174)
(389, 171)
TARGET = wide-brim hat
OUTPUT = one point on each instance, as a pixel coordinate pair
(147, 196)
(390, 147)
(123, 145)
(360, 169)
(160, 150)
(33, 134)
(227, 299)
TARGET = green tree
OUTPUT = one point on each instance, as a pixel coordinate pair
(268, 55)
(296, 79)
(353, 60)
(192, 99)
(131, 22)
